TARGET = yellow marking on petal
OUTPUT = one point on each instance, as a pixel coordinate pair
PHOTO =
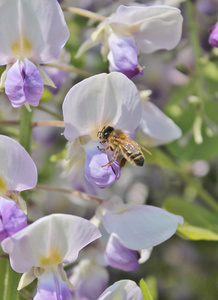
(22, 47)
(148, 140)
(3, 186)
(53, 259)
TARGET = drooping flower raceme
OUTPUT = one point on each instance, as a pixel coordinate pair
(133, 30)
(31, 32)
(101, 100)
(40, 249)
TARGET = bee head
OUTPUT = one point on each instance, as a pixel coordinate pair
(104, 133)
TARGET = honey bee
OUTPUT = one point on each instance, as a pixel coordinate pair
(119, 142)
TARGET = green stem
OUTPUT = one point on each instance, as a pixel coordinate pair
(194, 39)
(25, 137)
(46, 110)
(10, 284)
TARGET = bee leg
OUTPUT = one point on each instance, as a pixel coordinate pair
(116, 153)
(103, 149)
(122, 162)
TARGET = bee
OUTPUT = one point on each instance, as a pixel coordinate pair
(120, 143)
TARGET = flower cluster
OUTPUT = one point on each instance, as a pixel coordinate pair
(121, 233)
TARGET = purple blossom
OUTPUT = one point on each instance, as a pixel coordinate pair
(121, 257)
(12, 219)
(123, 56)
(213, 38)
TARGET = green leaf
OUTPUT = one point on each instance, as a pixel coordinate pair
(199, 223)
(186, 148)
(145, 291)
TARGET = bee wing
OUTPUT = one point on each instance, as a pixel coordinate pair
(128, 144)
(131, 145)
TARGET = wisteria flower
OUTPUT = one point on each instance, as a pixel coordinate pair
(133, 30)
(133, 228)
(109, 100)
(213, 38)
(122, 290)
(101, 100)
(29, 36)
(18, 171)
(123, 258)
(41, 249)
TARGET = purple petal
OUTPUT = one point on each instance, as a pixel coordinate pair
(121, 257)
(102, 177)
(213, 38)
(57, 76)
(52, 287)
(12, 219)
(24, 83)
(89, 279)
(123, 56)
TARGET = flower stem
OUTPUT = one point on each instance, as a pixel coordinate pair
(72, 192)
(48, 123)
(52, 123)
(25, 137)
(194, 39)
(10, 284)
(69, 69)
(84, 13)
(46, 110)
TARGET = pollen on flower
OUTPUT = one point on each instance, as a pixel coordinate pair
(53, 259)
(3, 186)
(22, 47)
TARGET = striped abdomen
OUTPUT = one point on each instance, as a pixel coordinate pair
(135, 156)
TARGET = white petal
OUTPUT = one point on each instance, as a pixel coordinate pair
(157, 127)
(18, 170)
(28, 30)
(56, 238)
(101, 100)
(122, 290)
(153, 27)
(142, 226)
